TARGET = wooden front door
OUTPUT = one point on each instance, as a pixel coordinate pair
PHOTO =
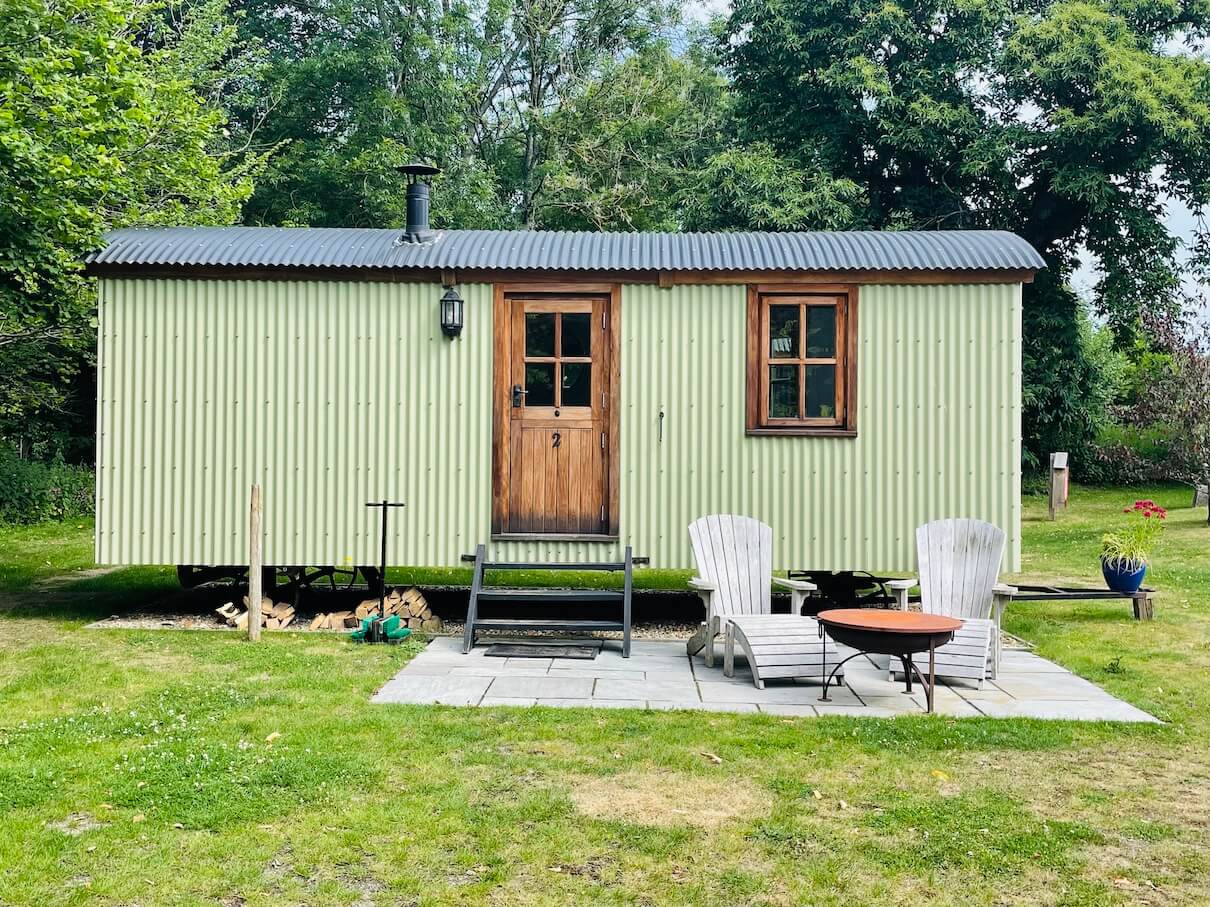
(554, 414)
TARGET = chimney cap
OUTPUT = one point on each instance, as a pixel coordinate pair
(416, 170)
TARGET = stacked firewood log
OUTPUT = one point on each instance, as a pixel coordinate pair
(409, 604)
(273, 616)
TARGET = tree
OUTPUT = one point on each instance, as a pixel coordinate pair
(754, 188)
(353, 88)
(1068, 122)
(622, 145)
(94, 133)
(1179, 398)
(649, 144)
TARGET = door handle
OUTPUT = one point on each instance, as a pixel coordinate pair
(518, 395)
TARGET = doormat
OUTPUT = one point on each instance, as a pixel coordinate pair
(512, 650)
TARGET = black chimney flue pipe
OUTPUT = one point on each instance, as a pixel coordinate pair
(417, 229)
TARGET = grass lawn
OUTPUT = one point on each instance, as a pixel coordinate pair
(163, 767)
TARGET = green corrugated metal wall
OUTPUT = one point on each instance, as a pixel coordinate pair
(335, 393)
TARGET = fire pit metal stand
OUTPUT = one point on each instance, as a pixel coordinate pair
(898, 634)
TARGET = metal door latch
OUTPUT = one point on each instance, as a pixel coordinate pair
(519, 394)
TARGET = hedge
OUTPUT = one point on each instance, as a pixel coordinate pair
(35, 492)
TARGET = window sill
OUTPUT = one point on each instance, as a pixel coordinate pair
(801, 432)
(550, 537)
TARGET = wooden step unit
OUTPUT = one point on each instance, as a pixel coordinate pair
(562, 601)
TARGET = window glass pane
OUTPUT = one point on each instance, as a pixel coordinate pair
(540, 384)
(783, 392)
(577, 334)
(539, 333)
(821, 392)
(577, 384)
(821, 333)
(783, 332)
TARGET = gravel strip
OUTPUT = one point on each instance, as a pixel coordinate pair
(153, 621)
(640, 630)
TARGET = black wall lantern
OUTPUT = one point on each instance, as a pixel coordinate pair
(451, 313)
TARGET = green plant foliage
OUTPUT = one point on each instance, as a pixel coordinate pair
(95, 132)
(621, 146)
(754, 188)
(650, 145)
(354, 88)
(32, 492)
(1132, 544)
(1067, 122)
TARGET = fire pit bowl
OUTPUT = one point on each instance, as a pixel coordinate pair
(900, 634)
(888, 632)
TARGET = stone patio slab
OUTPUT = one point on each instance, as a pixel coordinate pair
(424, 688)
(715, 675)
(434, 669)
(601, 675)
(790, 711)
(472, 671)
(608, 688)
(665, 647)
(1066, 709)
(525, 664)
(1049, 686)
(543, 687)
(598, 665)
(1019, 660)
(658, 675)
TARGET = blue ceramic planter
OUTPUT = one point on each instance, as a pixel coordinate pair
(1123, 577)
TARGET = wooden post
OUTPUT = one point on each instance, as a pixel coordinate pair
(254, 565)
(1058, 482)
(1143, 608)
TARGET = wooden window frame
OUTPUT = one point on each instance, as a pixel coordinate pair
(760, 297)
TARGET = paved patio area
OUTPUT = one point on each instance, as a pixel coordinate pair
(658, 675)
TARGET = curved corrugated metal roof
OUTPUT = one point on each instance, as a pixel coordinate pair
(551, 250)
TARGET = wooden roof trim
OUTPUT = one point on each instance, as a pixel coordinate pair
(664, 279)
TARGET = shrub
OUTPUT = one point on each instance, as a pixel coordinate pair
(1129, 455)
(33, 492)
(1130, 546)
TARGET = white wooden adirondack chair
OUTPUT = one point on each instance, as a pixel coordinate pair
(734, 557)
(959, 564)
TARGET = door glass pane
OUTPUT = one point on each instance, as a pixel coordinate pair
(577, 384)
(540, 383)
(539, 333)
(821, 392)
(577, 333)
(783, 392)
(821, 332)
(783, 332)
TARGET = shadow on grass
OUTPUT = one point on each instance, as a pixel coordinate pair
(86, 600)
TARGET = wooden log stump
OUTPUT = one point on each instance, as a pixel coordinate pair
(1144, 609)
